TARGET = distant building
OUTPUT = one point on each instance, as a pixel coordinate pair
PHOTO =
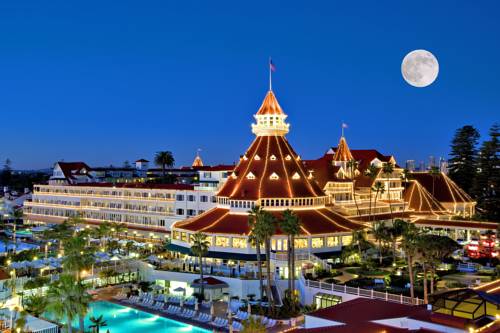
(421, 166)
(432, 162)
(410, 165)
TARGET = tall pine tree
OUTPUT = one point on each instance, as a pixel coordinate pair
(462, 164)
(488, 176)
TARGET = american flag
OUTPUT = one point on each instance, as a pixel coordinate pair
(271, 65)
(344, 125)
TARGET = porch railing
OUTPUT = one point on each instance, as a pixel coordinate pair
(367, 293)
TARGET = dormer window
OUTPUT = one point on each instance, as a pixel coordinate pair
(272, 158)
(257, 157)
(288, 157)
(250, 176)
(245, 157)
(296, 176)
(233, 175)
(274, 176)
(298, 158)
(310, 175)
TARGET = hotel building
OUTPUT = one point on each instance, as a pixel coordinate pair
(146, 209)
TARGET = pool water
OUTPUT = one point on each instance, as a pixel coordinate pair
(123, 319)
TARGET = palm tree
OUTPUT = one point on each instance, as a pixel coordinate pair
(165, 159)
(387, 170)
(290, 225)
(352, 165)
(268, 229)
(17, 214)
(63, 298)
(381, 235)
(254, 218)
(410, 247)
(378, 188)
(199, 248)
(405, 176)
(77, 256)
(396, 231)
(434, 172)
(359, 238)
(97, 323)
(35, 305)
(372, 173)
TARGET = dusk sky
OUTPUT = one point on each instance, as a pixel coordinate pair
(104, 82)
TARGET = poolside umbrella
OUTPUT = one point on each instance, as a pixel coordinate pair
(181, 304)
(249, 308)
(196, 306)
(212, 310)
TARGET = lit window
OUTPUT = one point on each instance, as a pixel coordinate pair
(257, 157)
(239, 243)
(346, 240)
(272, 158)
(300, 243)
(332, 241)
(183, 237)
(233, 175)
(288, 157)
(296, 176)
(245, 157)
(221, 241)
(274, 176)
(250, 176)
(317, 242)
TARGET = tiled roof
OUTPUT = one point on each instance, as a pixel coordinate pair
(70, 169)
(222, 221)
(441, 187)
(268, 156)
(181, 187)
(458, 224)
(270, 105)
(420, 200)
(323, 170)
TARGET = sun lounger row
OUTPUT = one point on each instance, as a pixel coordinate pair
(241, 315)
(203, 317)
(219, 322)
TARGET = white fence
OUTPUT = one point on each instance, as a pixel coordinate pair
(368, 293)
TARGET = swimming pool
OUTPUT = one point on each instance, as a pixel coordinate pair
(123, 319)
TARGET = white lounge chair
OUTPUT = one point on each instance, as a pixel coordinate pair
(271, 323)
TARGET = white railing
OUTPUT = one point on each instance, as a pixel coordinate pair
(301, 256)
(368, 293)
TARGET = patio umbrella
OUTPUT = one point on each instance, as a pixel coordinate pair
(212, 310)
(181, 304)
(249, 308)
(196, 306)
(179, 290)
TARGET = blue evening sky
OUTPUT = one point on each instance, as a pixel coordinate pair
(108, 81)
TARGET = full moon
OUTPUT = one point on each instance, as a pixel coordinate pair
(420, 68)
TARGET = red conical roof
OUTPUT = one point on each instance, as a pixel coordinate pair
(270, 105)
(270, 169)
(342, 153)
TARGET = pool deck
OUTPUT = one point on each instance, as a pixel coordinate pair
(106, 294)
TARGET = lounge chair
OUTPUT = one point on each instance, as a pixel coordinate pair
(271, 323)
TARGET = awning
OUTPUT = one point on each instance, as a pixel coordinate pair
(209, 283)
(328, 255)
(216, 254)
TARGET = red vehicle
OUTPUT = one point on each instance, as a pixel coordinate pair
(484, 247)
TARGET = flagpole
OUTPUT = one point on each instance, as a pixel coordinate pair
(270, 76)
(342, 129)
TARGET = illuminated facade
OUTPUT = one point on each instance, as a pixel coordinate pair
(272, 175)
(145, 208)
